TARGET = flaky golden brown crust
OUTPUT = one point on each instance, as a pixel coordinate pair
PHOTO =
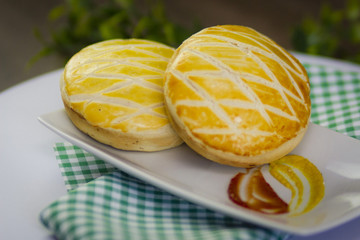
(112, 91)
(236, 97)
(152, 142)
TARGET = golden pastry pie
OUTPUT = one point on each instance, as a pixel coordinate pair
(236, 97)
(113, 91)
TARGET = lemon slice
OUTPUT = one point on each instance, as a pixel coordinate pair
(264, 188)
(113, 91)
(303, 179)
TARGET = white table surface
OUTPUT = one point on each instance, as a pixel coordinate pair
(29, 175)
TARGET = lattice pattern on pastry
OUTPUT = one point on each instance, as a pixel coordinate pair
(144, 73)
(290, 67)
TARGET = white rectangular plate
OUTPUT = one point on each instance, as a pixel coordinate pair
(184, 173)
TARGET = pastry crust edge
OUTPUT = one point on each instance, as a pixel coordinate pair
(146, 141)
(231, 159)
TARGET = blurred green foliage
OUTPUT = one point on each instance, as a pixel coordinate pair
(76, 24)
(336, 33)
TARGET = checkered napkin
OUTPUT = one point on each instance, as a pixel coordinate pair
(106, 203)
(335, 99)
(118, 206)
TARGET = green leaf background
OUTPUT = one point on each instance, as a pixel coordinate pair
(76, 24)
(335, 33)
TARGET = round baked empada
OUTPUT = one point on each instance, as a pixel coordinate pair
(236, 97)
(113, 91)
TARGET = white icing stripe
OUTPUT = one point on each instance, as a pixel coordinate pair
(285, 66)
(139, 81)
(248, 77)
(115, 63)
(158, 56)
(192, 103)
(117, 86)
(257, 79)
(279, 87)
(127, 80)
(115, 76)
(207, 98)
(230, 42)
(70, 71)
(98, 98)
(204, 73)
(136, 47)
(234, 77)
(144, 110)
(281, 113)
(238, 132)
(236, 104)
(296, 86)
(104, 99)
(268, 40)
(91, 57)
(138, 42)
(99, 47)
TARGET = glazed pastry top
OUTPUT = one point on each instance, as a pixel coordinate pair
(118, 84)
(236, 90)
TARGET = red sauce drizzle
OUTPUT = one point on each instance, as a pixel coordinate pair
(261, 196)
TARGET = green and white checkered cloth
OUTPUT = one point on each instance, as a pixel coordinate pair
(106, 203)
(335, 99)
(118, 206)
